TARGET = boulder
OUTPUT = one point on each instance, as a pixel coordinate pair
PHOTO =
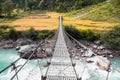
(103, 63)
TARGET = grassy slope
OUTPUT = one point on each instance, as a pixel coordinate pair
(100, 12)
(96, 17)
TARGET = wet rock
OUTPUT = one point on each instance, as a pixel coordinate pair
(103, 63)
(22, 41)
(90, 61)
(27, 49)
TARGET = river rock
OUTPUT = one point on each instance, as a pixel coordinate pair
(103, 63)
(27, 49)
(22, 41)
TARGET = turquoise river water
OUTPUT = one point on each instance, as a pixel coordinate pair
(9, 55)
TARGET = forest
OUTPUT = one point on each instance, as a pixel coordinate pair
(7, 6)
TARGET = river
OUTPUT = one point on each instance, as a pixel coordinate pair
(9, 55)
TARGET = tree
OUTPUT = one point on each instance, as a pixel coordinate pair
(12, 34)
(116, 3)
(26, 5)
(31, 34)
(1, 7)
(1, 33)
(8, 7)
(112, 38)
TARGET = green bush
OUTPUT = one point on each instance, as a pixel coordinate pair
(12, 34)
(90, 35)
(4, 27)
(82, 34)
(112, 38)
(73, 32)
(45, 33)
(31, 34)
(1, 34)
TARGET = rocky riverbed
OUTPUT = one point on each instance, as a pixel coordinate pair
(28, 46)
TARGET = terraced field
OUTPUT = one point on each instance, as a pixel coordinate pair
(49, 21)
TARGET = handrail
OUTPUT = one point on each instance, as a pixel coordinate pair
(30, 56)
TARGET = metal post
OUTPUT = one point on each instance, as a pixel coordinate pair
(15, 68)
(39, 66)
(107, 75)
(84, 68)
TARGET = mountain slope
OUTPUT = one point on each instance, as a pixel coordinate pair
(101, 12)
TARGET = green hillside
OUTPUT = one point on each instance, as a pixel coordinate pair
(104, 11)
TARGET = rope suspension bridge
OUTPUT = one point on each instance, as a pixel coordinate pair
(60, 66)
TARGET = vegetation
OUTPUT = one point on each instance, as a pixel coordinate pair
(112, 38)
(29, 34)
(106, 11)
(12, 34)
(65, 5)
(45, 33)
(1, 33)
(82, 34)
(7, 6)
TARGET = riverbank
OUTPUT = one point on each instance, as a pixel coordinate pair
(100, 49)
(46, 49)
(8, 44)
(27, 46)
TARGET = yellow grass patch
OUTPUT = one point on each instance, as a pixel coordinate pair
(88, 24)
(49, 21)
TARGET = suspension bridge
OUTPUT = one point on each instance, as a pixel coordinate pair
(60, 66)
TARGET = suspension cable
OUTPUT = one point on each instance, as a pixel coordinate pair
(71, 57)
(53, 49)
(24, 64)
(11, 64)
(39, 66)
(31, 56)
(84, 68)
(86, 58)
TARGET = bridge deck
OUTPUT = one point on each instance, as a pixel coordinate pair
(61, 66)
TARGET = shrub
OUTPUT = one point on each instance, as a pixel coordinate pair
(4, 27)
(82, 34)
(1, 34)
(73, 31)
(12, 34)
(45, 33)
(31, 33)
(112, 38)
(89, 35)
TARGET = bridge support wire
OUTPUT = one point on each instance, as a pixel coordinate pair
(39, 66)
(12, 63)
(22, 66)
(86, 58)
(71, 58)
(73, 64)
(84, 68)
(30, 57)
(15, 68)
(48, 63)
